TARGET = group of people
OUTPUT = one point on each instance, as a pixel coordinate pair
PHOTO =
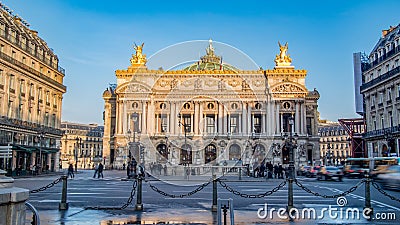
(270, 171)
(133, 170)
(158, 169)
(98, 171)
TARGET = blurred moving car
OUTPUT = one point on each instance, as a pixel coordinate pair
(391, 178)
(380, 169)
(329, 172)
(355, 171)
(313, 171)
(303, 170)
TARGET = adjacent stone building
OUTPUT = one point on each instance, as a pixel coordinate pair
(208, 113)
(381, 93)
(334, 143)
(31, 92)
(81, 144)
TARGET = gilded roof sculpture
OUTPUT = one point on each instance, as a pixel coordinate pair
(283, 59)
(138, 58)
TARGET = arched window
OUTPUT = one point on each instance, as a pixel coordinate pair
(210, 153)
(186, 154)
(234, 152)
(163, 152)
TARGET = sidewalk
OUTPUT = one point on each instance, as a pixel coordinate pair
(193, 216)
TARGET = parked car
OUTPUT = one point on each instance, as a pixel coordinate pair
(355, 171)
(329, 172)
(313, 171)
(303, 170)
(391, 178)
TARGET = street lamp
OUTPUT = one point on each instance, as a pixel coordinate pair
(291, 143)
(78, 145)
(329, 157)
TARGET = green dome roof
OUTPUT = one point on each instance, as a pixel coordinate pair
(210, 62)
(210, 66)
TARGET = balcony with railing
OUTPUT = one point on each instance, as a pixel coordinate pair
(382, 132)
(31, 70)
(384, 77)
(367, 66)
(31, 51)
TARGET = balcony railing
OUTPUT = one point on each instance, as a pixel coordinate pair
(382, 132)
(31, 51)
(31, 70)
(367, 66)
(26, 125)
(390, 74)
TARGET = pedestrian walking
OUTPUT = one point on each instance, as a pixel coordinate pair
(71, 171)
(165, 170)
(128, 171)
(100, 171)
(276, 171)
(96, 170)
(280, 171)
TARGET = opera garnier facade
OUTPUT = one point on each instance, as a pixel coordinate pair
(209, 113)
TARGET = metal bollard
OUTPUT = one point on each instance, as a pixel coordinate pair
(63, 204)
(240, 173)
(368, 205)
(139, 205)
(214, 207)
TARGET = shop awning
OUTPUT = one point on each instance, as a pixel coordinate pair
(23, 148)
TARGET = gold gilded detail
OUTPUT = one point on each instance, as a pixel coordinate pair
(283, 59)
(138, 58)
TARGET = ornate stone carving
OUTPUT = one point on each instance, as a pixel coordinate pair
(234, 82)
(287, 88)
(135, 88)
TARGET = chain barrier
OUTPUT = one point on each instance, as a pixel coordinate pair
(244, 195)
(377, 187)
(128, 202)
(352, 189)
(199, 188)
(47, 186)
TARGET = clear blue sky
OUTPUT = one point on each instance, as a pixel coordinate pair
(93, 38)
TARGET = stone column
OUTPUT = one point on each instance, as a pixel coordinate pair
(277, 119)
(220, 117)
(12, 201)
(297, 118)
(250, 125)
(272, 118)
(124, 119)
(201, 118)
(143, 117)
(196, 117)
(176, 112)
(263, 123)
(303, 119)
(226, 121)
(244, 119)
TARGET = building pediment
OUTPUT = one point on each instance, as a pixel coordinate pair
(288, 88)
(133, 88)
